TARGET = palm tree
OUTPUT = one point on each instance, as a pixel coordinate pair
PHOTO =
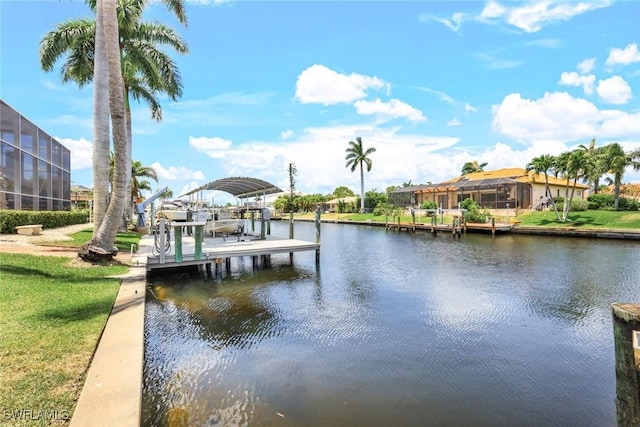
(146, 70)
(618, 160)
(572, 165)
(357, 155)
(140, 171)
(102, 241)
(543, 164)
(474, 166)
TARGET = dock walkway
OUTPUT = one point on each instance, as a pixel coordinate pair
(215, 250)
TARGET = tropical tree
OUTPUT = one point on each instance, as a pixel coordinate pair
(573, 166)
(357, 156)
(543, 164)
(139, 171)
(474, 166)
(617, 161)
(102, 241)
(597, 164)
(342, 191)
(146, 71)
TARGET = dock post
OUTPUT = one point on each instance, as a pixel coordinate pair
(626, 331)
(318, 222)
(493, 226)
(262, 229)
(291, 224)
(198, 235)
(433, 226)
(253, 221)
(161, 238)
(227, 264)
(413, 219)
(177, 242)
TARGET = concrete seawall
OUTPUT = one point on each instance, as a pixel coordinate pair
(578, 232)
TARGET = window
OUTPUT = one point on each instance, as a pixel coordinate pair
(44, 169)
(9, 120)
(44, 143)
(28, 174)
(28, 136)
(9, 167)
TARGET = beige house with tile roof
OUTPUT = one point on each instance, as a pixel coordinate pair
(508, 188)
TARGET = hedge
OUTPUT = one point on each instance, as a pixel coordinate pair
(10, 219)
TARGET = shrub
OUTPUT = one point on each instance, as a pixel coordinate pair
(475, 213)
(428, 204)
(576, 205)
(10, 219)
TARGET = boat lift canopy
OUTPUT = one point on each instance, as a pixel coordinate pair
(240, 187)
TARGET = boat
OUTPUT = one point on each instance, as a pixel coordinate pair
(173, 211)
(220, 221)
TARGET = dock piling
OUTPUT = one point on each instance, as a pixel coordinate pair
(626, 331)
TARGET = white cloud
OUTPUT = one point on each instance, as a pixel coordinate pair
(389, 110)
(321, 85)
(626, 56)
(454, 122)
(614, 90)
(494, 63)
(399, 157)
(577, 80)
(285, 134)
(529, 17)
(559, 117)
(175, 173)
(545, 43)
(81, 152)
(586, 66)
(212, 146)
(470, 108)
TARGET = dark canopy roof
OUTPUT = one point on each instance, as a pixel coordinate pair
(238, 187)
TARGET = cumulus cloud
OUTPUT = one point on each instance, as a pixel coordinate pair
(389, 110)
(586, 66)
(470, 108)
(626, 56)
(212, 146)
(176, 173)
(614, 90)
(321, 85)
(559, 117)
(529, 17)
(454, 122)
(577, 80)
(286, 134)
(81, 152)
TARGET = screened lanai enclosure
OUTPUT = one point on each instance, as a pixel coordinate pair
(490, 193)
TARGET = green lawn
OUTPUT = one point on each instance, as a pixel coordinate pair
(123, 240)
(52, 313)
(584, 219)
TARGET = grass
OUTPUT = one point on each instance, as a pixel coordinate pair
(52, 314)
(584, 219)
(123, 240)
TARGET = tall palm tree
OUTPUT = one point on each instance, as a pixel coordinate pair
(474, 166)
(572, 166)
(146, 70)
(543, 164)
(356, 156)
(103, 240)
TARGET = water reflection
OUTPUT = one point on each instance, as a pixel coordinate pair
(393, 329)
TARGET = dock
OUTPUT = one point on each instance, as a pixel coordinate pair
(210, 252)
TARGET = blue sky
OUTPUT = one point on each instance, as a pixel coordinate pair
(429, 84)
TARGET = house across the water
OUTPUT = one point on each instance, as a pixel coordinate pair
(509, 188)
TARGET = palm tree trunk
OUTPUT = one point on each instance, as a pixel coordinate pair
(100, 127)
(616, 190)
(361, 188)
(105, 237)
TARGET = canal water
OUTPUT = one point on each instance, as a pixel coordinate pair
(393, 329)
